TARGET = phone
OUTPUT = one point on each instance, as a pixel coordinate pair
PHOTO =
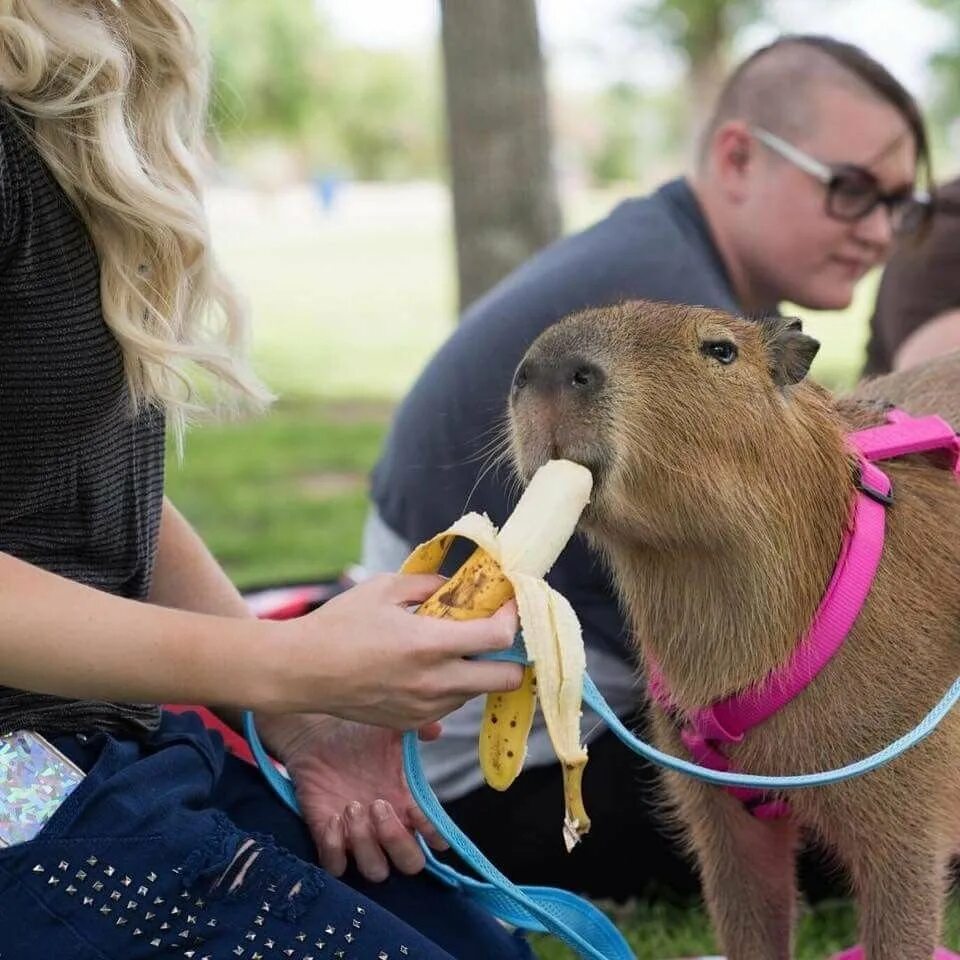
(35, 778)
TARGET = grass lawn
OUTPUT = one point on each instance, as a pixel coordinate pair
(282, 497)
(656, 931)
(347, 309)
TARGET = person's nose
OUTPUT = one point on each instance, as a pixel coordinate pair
(876, 228)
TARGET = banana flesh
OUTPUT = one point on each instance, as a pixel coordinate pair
(513, 562)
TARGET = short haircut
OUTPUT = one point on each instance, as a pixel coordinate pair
(772, 89)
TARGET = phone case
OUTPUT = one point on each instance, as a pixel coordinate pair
(35, 778)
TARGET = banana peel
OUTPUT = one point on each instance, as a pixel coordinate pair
(512, 563)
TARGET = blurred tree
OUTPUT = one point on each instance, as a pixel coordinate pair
(504, 190)
(640, 133)
(945, 64)
(263, 65)
(279, 75)
(382, 109)
(617, 158)
(702, 32)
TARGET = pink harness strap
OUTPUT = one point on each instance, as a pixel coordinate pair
(903, 435)
(705, 731)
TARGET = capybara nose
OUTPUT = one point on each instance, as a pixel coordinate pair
(571, 374)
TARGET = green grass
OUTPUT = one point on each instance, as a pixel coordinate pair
(347, 310)
(281, 497)
(343, 307)
(658, 931)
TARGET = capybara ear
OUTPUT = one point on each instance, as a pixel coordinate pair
(790, 350)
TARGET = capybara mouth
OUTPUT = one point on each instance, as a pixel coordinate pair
(540, 433)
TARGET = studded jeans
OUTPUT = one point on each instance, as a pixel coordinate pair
(173, 848)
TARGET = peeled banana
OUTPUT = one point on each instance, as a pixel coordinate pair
(513, 562)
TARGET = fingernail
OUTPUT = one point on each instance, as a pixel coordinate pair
(380, 810)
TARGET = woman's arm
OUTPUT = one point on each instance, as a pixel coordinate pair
(337, 766)
(188, 577)
(63, 638)
(362, 656)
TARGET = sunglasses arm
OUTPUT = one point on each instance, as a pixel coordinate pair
(797, 157)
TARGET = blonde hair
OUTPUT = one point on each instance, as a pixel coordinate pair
(114, 94)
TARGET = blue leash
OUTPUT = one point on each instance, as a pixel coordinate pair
(545, 909)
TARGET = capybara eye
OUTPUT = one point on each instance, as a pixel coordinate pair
(722, 351)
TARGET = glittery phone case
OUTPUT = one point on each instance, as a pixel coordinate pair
(35, 778)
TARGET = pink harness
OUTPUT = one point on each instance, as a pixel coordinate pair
(705, 732)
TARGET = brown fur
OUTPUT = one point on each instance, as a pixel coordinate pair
(721, 494)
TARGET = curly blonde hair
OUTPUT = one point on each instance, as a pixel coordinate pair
(114, 95)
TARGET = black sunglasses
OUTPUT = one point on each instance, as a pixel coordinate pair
(854, 192)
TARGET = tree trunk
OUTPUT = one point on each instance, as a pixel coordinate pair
(707, 74)
(707, 46)
(505, 202)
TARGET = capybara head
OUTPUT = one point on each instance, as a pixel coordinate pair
(691, 420)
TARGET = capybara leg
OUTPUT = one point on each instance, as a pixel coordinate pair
(901, 888)
(748, 869)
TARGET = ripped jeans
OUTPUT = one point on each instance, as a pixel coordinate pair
(171, 847)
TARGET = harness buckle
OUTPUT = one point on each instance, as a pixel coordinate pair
(884, 499)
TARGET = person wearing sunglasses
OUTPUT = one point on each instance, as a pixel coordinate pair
(814, 158)
(806, 182)
(852, 192)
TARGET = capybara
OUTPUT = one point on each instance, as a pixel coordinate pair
(723, 489)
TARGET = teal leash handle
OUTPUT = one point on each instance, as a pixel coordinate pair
(572, 919)
(568, 917)
(282, 786)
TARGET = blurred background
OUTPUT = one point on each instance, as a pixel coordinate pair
(360, 196)
(379, 164)
(334, 128)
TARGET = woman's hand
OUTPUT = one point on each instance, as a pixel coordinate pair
(353, 796)
(364, 656)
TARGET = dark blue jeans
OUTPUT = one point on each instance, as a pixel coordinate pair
(172, 847)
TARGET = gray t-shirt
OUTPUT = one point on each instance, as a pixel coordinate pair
(434, 464)
(81, 479)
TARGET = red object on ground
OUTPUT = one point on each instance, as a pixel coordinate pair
(856, 953)
(274, 603)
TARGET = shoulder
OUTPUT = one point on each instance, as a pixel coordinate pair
(934, 338)
(648, 248)
(921, 281)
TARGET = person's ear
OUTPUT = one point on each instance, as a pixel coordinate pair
(789, 349)
(730, 158)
